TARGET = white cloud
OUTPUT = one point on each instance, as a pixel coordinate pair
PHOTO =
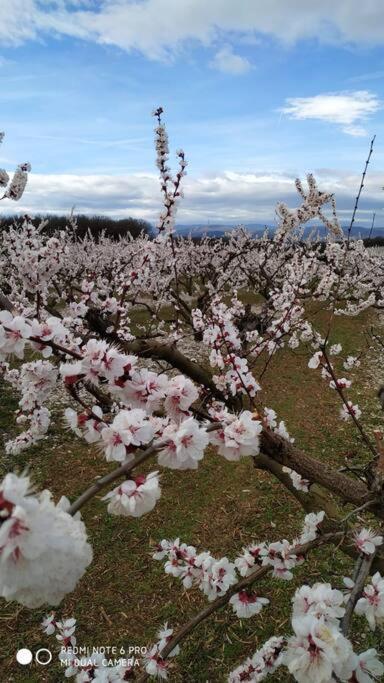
(158, 28)
(228, 197)
(355, 131)
(348, 108)
(228, 62)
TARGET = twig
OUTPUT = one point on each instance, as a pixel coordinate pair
(362, 567)
(360, 188)
(366, 505)
(123, 470)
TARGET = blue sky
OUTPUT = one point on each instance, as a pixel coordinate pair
(254, 98)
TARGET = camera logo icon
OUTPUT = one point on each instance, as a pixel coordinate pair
(43, 656)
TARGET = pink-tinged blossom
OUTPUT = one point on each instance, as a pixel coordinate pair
(129, 428)
(270, 417)
(144, 389)
(154, 664)
(351, 362)
(93, 353)
(247, 603)
(43, 550)
(94, 425)
(251, 557)
(282, 431)
(218, 576)
(367, 541)
(185, 445)
(315, 361)
(335, 349)
(66, 630)
(319, 600)
(164, 635)
(317, 651)
(74, 420)
(264, 661)
(180, 394)
(49, 624)
(71, 372)
(342, 383)
(51, 329)
(311, 526)
(369, 668)
(14, 332)
(18, 183)
(134, 497)
(163, 548)
(103, 361)
(239, 438)
(298, 482)
(371, 604)
(280, 555)
(183, 562)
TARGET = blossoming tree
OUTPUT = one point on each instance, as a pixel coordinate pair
(69, 319)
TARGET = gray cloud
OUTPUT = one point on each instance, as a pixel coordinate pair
(228, 197)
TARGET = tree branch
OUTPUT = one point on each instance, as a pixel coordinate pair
(217, 604)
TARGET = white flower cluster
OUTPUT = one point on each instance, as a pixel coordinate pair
(240, 436)
(280, 555)
(154, 664)
(318, 651)
(43, 550)
(264, 662)
(35, 381)
(19, 180)
(213, 577)
(371, 604)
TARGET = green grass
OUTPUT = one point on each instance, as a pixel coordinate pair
(125, 596)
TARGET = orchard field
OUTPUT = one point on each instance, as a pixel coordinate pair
(223, 393)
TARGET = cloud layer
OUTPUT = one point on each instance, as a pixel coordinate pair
(158, 28)
(229, 197)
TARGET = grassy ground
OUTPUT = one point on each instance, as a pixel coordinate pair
(125, 596)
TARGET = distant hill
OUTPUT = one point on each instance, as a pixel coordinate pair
(219, 229)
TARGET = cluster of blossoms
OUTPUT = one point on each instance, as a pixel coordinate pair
(43, 550)
(371, 604)
(348, 410)
(239, 437)
(35, 381)
(154, 663)
(170, 186)
(18, 183)
(221, 335)
(318, 651)
(215, 577)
